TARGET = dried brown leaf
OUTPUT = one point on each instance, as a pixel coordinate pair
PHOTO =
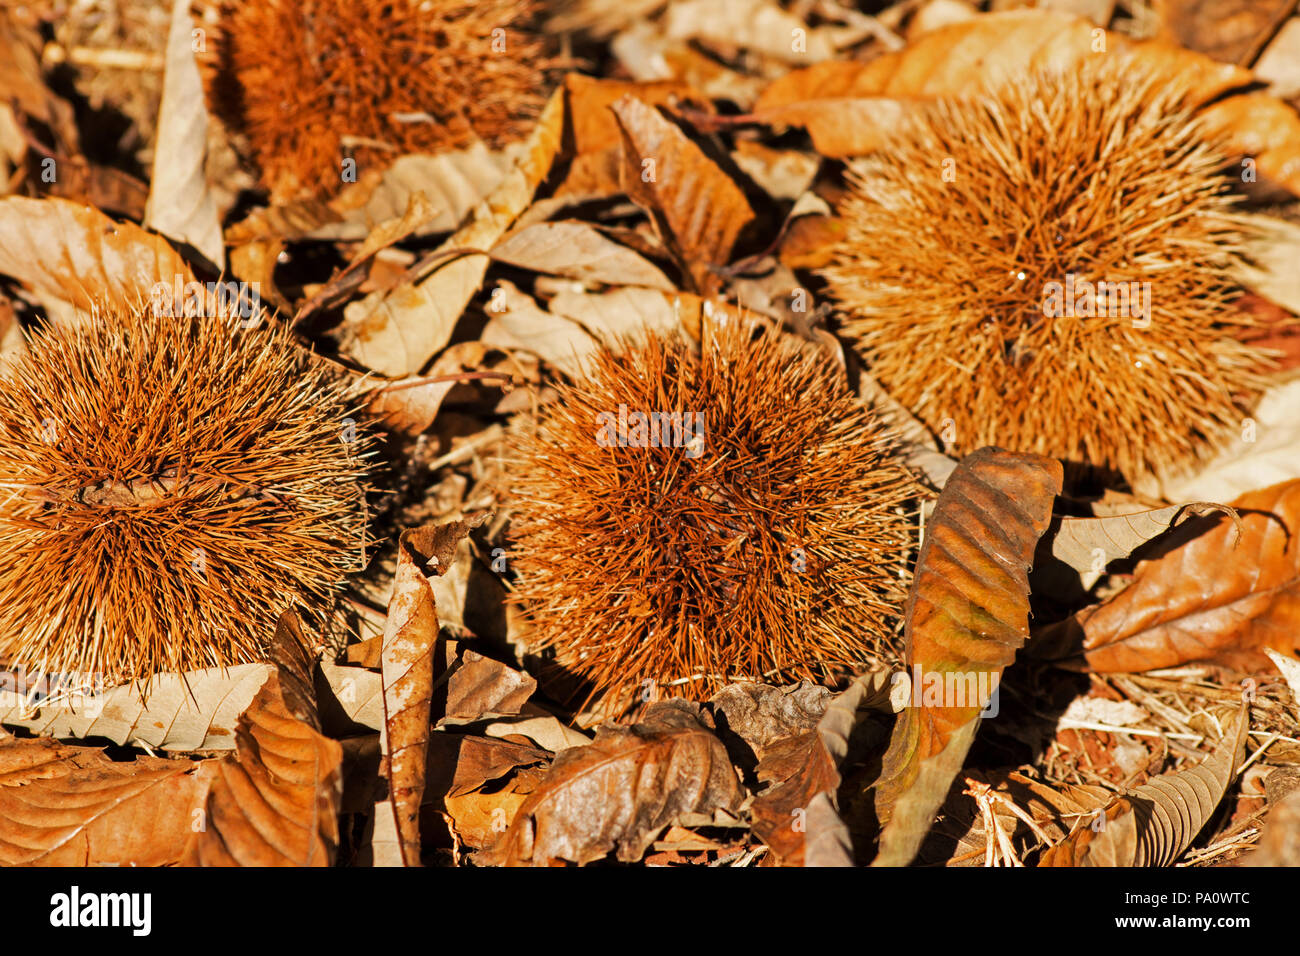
(620, 791)
(966, 616)
(74, 806)
(1222, 596)
(1153, 824)
(698, 210)
(277, 802)
(480, 687)
(410, 643)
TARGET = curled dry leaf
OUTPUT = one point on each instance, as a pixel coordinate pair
(796, 770)
(409, 645)
(1153, 824)
(476, 783)
(966, 616)
(180, 203)
(621, 790)
(277, 802)
(797, 812)
(1087, 545)
(479, 687)
(597, 143)
(697, 208)
(409, 405)
(193, 711)
(76, 254)
(1222, 596)
(763, 715)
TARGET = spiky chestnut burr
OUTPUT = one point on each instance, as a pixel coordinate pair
(314, 82)
(170, 486)
(767, 536)
(968, 242)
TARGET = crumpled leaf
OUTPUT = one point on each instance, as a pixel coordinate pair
(1153, 824)
(479, 687)
(76, 254)
(797, 812)
(180, 203)
(194, 711)
(1222, 596)
(697, 208)
(409, 644)
(967, 614)
(277, 803)
(620, 791)
(763, 715)
(397, 331)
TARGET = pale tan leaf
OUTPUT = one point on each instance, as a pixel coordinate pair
(198, 710)
(579, 251)
(1088, 545)
(757, 25)
(359, 692)
(454, 183)
(623, 314)
(75, 253)
(1279, 64)
(1268, 262)
(547, 732)
(180, 203)
(520, 323)
(1266, 452)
